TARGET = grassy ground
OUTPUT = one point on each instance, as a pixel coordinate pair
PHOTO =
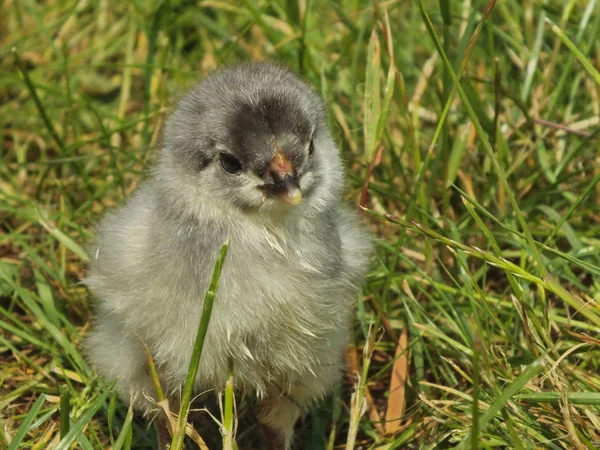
(479, 326)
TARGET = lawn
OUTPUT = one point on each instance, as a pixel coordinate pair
(471, 135)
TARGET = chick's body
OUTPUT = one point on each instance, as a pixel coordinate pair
(283, 306)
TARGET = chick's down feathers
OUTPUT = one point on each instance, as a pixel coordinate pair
(283, 307)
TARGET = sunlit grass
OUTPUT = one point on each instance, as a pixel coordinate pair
(471, 134)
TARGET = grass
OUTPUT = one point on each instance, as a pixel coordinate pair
(471, 133)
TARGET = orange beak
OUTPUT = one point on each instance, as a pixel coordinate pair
(285, 183)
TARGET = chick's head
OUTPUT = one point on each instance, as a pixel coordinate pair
(251, 138)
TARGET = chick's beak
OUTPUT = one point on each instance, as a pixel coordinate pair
(285, 183)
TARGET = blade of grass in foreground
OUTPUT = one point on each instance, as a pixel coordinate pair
(24, 428)
(358, 399)
(160, 395)
(528, 373)
(126, 432)
(372, 96)
(77, 429)
(571, 46)
(574, 398)
(228, 416)
(179, 433)
(65, 410)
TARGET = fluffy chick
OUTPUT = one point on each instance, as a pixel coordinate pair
(247, 156)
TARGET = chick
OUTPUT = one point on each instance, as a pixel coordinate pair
(247, 156)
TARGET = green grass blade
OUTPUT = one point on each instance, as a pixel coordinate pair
(65, 410)
(15, 444)
(565, 217)
(42, 420)
(179, 433)
(484, 140)
(125, 434)
(571, 46)
(372, 96)
(228, 414)
(528, 373)
(574, 398)
(77, 429)
(64, 239)
(38, 103)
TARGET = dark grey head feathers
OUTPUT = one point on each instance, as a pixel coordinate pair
(259, 125)
(243, 108)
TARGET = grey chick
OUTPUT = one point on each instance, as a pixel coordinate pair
(247, 156)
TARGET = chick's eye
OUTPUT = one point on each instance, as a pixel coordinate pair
(311, 147)
(230, 163)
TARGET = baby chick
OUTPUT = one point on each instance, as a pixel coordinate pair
(247, 156)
